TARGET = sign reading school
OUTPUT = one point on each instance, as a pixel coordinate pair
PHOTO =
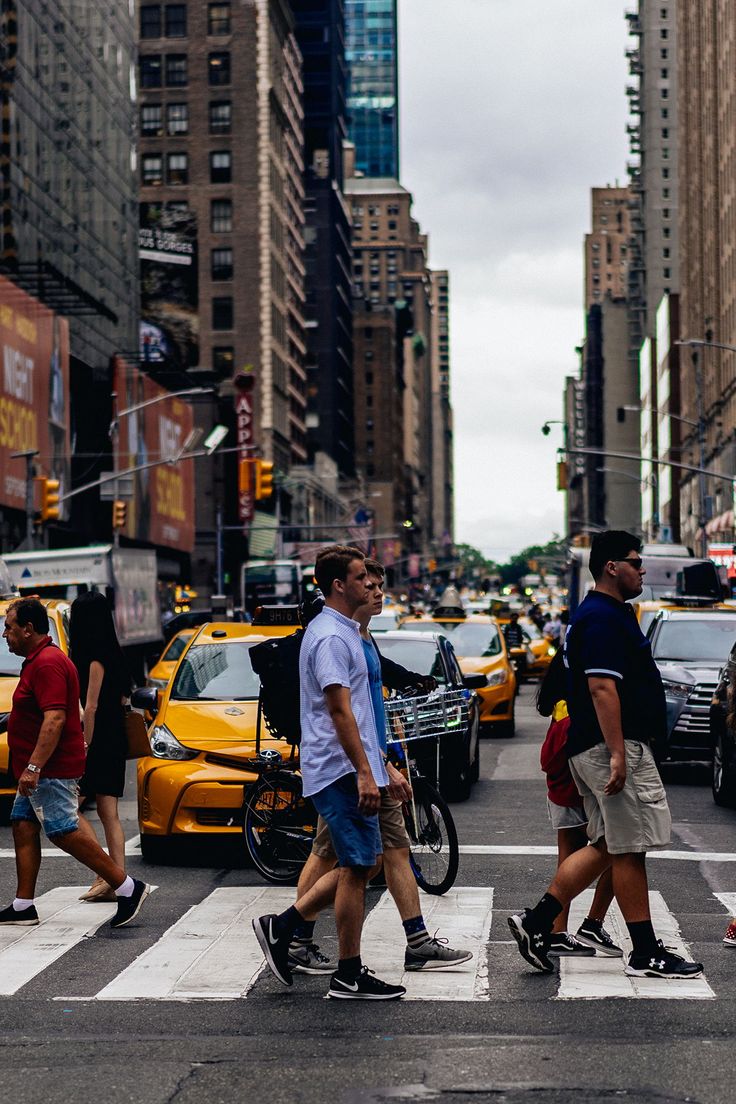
(34, 401)
(162, 507)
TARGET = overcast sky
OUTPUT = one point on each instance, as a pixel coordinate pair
(511, 110)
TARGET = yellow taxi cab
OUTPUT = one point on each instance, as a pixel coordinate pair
(10, 664)
(480, 648)
(204, 727)
(163, 669)
(537, 651)
(646, 612)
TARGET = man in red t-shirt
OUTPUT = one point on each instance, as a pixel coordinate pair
(47, 754)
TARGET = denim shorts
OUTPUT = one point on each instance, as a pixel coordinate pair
(355, 837)
(54, 803)
(390, 823)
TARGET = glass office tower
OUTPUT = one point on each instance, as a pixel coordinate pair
(373, 85)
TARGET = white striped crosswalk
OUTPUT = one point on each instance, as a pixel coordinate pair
(210, 952)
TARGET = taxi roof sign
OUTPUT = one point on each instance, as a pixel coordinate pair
(277, 615)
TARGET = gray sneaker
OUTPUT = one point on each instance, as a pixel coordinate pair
(434, 954)
(307, 958)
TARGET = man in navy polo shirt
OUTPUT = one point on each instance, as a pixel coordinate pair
(617, 710)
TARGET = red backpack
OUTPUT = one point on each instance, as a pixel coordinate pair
(561, 788)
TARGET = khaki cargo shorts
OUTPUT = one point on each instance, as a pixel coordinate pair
(635, 820)
(390, 823)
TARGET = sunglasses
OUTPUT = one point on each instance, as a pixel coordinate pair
(635, 561)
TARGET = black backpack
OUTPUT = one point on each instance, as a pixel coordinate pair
(276, 662)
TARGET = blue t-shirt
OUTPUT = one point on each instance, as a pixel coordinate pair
(376, 688)
(604, 640)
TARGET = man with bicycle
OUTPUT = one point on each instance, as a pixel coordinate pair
(423, 951)
(342, 769)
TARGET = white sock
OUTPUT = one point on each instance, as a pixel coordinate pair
(126, 889)
(21, 903)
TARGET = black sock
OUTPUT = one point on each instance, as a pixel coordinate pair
(290, 920)
(348, 969)
(304, 932)
(642, 937)
(589, 922)
(542, 916)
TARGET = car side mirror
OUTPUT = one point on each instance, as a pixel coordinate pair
(145, 698)
(474, 681)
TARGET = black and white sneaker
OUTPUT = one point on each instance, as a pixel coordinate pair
(275, 946)
(365, 987)
(22, 918)
(564, 945)
(307, 958)
(599, 939)
(533, 946)
(662, 964)
(129, 907)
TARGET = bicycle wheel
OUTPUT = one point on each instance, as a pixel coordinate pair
(279, 825)
(434, 852)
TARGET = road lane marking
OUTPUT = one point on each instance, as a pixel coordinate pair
(462, 916)
(728, 900)
(211, 953)
(603, 977)
(65, 921)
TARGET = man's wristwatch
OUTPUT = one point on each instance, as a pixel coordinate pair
(33, 768)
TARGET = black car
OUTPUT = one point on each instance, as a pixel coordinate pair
(723, 735)
(459, 752)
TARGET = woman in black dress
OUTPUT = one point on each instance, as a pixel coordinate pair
(104, 684)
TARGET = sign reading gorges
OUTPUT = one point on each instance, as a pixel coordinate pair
(34, 400)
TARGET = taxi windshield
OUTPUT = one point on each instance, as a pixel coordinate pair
(176, 647)
(473, 640)
(693, 640)
(216, 672)
(421, 656)
(10, 664)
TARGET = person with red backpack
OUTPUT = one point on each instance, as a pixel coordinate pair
(567, 815)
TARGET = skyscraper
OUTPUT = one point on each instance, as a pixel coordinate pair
(373, 85)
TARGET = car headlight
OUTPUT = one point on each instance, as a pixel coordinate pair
(164, 745)
(677, 689)
(551, 651)
(496, 678)
(158, 684)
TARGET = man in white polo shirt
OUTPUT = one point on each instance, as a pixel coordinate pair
(342, 769)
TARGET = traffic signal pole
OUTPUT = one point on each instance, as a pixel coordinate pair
(28, 455)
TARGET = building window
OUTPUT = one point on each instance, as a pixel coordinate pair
(665, 231)
(666, 254)
(218, 67)
(666, 273)
(665, 113)
(221, 216)
(221, 114)
(223, 359)
(151, 21)
(177, 118)
(665, 193)
(218, 19)
(176, 70)
(177, 168)
(665, 212)
(665, 154)
(665, 132)
(665, 174)
(369, 379)
(664, 73)
(392, 224)
(373, 210)
(151, 120)
(222, 313)
(152, 169)
(222, 264)
(368, 333)
(221, 164)
(664, 93)
(176, 21)
(177, 207)
(151, 71)
(664, 54)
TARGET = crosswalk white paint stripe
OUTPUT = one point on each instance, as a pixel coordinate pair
(462, 916)
(209, 954)
(728, 900)
(26, 952)
(601, 977)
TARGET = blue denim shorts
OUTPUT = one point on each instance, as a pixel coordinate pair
(355, 837)
(54, 804)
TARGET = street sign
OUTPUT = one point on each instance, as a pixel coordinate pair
(113, 489)
(244, 421)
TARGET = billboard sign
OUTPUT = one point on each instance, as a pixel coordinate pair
(162, 507)
(169, 329)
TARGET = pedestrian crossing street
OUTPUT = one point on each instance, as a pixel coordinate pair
(210, 953)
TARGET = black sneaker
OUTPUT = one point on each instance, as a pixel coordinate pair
(307, 958)
(533, 945)
(565, 945)
(129, 907)
(365, 987)
(23, 918)
(662, 964)
(275, 946)
(599, 939)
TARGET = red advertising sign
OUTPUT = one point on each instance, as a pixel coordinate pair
(162, 508)
(244, 383)
(34, 404)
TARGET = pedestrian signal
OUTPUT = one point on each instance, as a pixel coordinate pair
(50, 507)
(119, 514)
(264, 479)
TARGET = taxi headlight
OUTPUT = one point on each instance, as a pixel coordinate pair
(164, 745)
(677, 689)
(551, 651)
(496, 678)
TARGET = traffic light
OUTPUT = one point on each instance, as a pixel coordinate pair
(245, 476)
(264, 479)
(50, 507)
(119, 514)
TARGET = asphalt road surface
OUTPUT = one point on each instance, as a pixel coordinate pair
(177, 1008)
